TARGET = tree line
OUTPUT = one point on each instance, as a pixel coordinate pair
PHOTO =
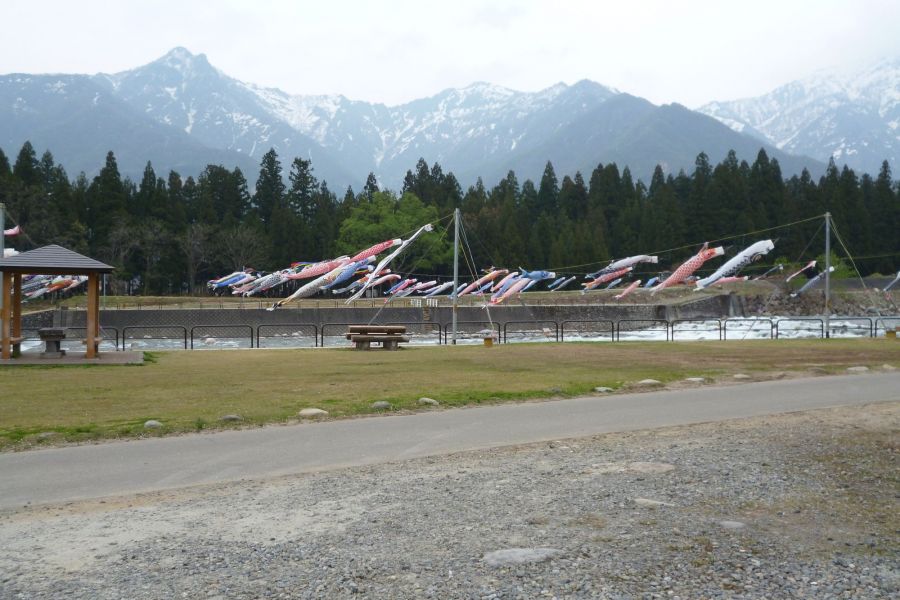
(168, 235)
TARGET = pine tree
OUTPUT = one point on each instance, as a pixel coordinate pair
(176, 203)
(884, 207)
(269, 187)
(548, 190)
(146, 196)
(47, 171)
(191, 195)
(5, 170)
(664, 224)
(371, 187)
(302, 189)
(726, 208)
(700, 207)
(766, 190)
(26, 167)
(107, 199)
(475, 199)
(853, 219)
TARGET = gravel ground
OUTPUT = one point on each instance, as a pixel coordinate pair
(802, 505)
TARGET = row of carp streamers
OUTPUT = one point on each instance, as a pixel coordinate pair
(499, 283)
(327, 275)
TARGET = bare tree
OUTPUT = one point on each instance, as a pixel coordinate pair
(194, 245)
(242, 246)
(121, 243)
(151, 241)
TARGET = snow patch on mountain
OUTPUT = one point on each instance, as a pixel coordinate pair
(850, 116)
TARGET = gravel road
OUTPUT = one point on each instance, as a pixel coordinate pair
(801, 505)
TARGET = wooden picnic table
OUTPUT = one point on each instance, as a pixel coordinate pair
(389, 336)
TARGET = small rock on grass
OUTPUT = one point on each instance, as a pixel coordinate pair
(231, 418)
(741, 376)
(152, 424)
(518, 556)
(857, 369)
(381, 405)
(603, 390)
(732, 524)
(887, 367)
(45, 435)
(309, 413)
(428, 401)
(695, 379)
(648, 382)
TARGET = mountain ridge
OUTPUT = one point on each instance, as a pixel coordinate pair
(852, 116)
(187, 105)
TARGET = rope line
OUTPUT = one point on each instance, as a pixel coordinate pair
(866, 289)
(486, 305)
(431, 247)
(772, 294)
(695, 244)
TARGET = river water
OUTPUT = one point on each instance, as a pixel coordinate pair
(469, 334)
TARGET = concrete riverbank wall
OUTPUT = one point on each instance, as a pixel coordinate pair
(713, 307)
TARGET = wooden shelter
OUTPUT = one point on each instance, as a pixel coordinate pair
(48, 260)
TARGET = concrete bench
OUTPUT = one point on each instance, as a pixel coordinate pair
(52, 338)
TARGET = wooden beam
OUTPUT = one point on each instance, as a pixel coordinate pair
(5, 316)
(16, 314)
(93, 315)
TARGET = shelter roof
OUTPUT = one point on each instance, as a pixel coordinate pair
(53, 260)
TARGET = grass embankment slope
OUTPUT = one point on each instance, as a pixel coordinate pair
(188, 391)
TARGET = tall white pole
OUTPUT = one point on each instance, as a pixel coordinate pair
(2, 239)
(827, 274)
(455, 270)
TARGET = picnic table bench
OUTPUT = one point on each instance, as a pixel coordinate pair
(389, 336)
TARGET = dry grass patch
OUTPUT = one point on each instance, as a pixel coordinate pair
(192, 390)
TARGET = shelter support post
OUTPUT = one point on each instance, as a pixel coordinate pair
(16, 326)
(5, 315)
(93, 315)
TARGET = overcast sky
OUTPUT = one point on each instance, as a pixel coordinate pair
(398, 50)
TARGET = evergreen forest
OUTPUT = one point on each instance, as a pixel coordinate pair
(168, 234)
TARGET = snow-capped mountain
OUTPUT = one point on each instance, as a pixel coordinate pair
(184, 91)
(853, 117)
(190, 108)
(80, 119)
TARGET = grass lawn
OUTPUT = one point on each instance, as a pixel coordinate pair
(190, 391)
